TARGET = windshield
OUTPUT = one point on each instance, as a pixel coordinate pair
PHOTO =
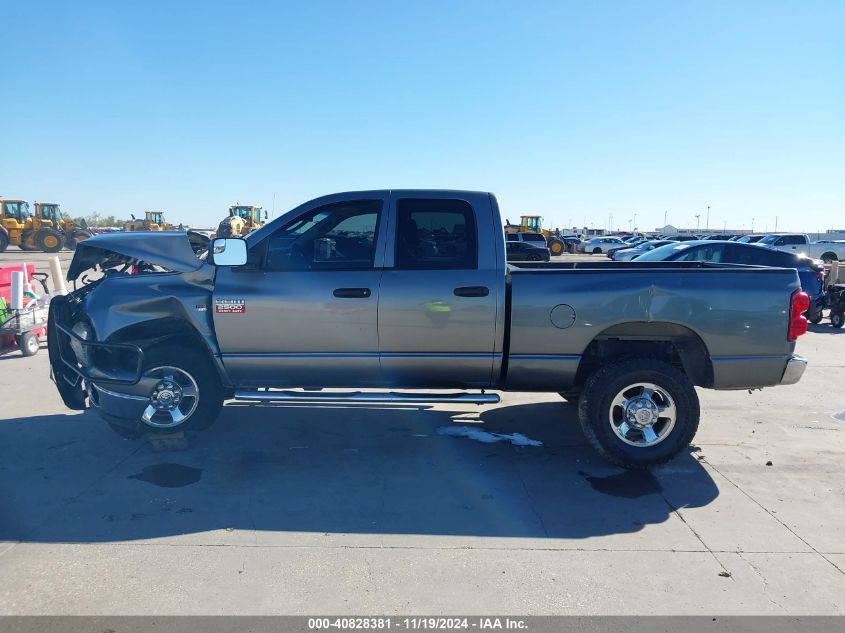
(662, 253)
(156, 217)
(19, 210)
(242, 212)
(769, 239)
(51, 212)
(533, 223)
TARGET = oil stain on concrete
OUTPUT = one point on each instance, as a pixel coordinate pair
(169, 475)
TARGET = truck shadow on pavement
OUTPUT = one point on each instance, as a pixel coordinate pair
(262, 473)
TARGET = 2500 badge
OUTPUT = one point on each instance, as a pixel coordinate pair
(229, 306)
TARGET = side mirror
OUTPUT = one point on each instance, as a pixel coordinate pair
(266, 214)
(228, 251)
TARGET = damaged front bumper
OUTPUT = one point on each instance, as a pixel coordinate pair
(81, 386)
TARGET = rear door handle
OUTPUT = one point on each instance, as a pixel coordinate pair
(352, 293)
(472, 291)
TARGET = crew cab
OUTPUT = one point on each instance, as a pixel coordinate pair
(409, 290)
(827, 251)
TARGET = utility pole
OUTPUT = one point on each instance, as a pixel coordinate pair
(707, 226)
(664, 217)
(635, 221)
(752, 225)
(724, 226)
(776, 224)
(610, 224)
(697, 222)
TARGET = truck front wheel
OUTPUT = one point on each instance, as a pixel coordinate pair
(639, 412)
(184, 393)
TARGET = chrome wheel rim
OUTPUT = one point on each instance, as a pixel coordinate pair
(174, 397)
(642, 414)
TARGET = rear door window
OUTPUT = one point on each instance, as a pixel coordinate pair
(435, 234)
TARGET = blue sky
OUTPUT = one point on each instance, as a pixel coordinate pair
(571, 110)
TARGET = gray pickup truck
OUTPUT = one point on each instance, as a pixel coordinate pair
(410, 290)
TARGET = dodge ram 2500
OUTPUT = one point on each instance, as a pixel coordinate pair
(410, 290)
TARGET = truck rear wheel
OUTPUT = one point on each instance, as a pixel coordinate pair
(639, 412)
(556, 247)
(185, 393)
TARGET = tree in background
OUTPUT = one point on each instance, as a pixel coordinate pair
(96, 220)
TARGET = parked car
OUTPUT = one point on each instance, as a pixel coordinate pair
(828, 251)
(525, 236)
(526, 252)
(750, 239)
(600, 245)
(572, 243)
(404, 289)
(628, 254)
(810, 271)
(679, 238)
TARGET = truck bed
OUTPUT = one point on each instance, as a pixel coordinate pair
(559, 311)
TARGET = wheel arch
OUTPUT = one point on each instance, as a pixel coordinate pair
(672, 342)
(169, 330)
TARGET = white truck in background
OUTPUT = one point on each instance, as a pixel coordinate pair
(800, 243)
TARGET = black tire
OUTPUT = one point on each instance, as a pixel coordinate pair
(209, 390)
(837, 319)
(596, 251)
(28, 343)
(815, 317)
(4, 240)
(595, 411)
(556, 247)
(829, 258)
(75, 238)
(50, 241)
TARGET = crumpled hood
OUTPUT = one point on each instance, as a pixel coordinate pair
(170, 249)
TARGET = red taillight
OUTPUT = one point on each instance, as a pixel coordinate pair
(799, 303)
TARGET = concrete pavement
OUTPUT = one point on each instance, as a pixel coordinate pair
(296, 510)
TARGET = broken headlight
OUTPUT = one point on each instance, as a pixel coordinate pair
(82, 330)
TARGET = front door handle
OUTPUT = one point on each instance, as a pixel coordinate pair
(472, 291)
(352, 293)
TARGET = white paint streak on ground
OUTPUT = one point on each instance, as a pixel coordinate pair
(480, 435)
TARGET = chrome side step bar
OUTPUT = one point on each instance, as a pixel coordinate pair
(389, 397)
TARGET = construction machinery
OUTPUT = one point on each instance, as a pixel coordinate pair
(19, 228)
(152, 221)
(534, 224)
(241, 220)
(72, 234)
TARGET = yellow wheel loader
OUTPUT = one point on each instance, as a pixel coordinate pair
(19, 228)
(242, 219)
(534, 224)
(72, 233)
(152, 221)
